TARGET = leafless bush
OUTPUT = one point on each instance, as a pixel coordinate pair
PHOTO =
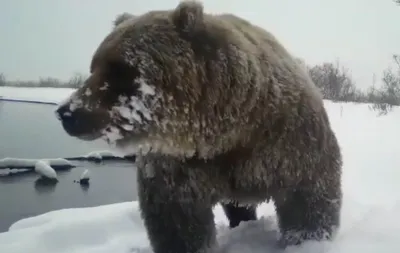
(49, 82)
(388, 95)
(334, 82)
(2, 80)
(76, 81)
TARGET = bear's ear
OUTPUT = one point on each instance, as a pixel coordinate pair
(188, 16)
(121, 18)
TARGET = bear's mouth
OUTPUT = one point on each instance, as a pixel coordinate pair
(115, 137)
(126, 142)
(87, 135)
(81, 130)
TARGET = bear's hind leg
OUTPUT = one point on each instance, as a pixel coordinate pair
(308, 215)
(236, 213)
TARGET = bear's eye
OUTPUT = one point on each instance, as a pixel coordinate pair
(121, 77)
(117, 69)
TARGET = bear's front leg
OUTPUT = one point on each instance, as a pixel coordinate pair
(177, 218)
(308, 214)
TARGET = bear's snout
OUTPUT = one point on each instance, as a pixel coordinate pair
(80, 122)
(63, 113)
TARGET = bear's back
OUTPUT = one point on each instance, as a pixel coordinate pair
(280, 72)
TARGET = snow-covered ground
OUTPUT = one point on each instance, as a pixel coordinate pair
(370, 223)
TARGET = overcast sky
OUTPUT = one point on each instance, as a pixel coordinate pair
(58, 37)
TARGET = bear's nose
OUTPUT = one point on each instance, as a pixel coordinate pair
(63, 113)
(75, 121)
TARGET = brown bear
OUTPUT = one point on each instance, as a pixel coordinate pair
(217, 111)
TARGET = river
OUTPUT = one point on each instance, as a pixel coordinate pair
(32, 131)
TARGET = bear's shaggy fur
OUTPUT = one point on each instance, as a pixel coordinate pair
(218, 112)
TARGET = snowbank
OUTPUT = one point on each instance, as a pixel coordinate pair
(369, 219)
(119, 228)
(61, 163)
(20, 163)
(44, 169)
(102, 155)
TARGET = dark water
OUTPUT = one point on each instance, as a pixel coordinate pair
(32, 131)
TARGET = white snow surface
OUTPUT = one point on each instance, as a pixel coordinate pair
(52, 95)
(94, 155)
(371, 206)
(102, 154)
(22, 162)
(44, 169)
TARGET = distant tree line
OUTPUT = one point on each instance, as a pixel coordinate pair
(333, 79)
(337, 85)
(74, 82)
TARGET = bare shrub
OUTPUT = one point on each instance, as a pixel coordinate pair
(334, 82)
(2, 80)
(388, 95)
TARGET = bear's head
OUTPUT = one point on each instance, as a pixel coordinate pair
(153, 85)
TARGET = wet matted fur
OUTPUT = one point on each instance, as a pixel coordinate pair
(218, 112)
